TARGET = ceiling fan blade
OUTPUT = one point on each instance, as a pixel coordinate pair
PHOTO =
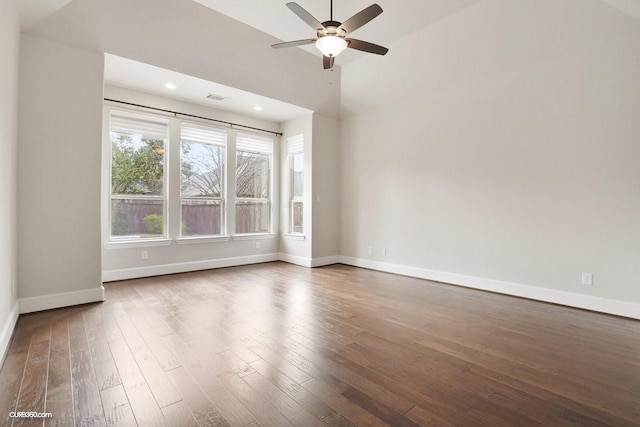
(367, 47)
(361, 18)
(327, 62)
(305, 16)
(293, 43)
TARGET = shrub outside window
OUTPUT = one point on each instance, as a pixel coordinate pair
(137, 199)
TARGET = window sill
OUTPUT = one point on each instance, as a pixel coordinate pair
(292, 236)
(205, 239)
(256, 236)
(126, 244)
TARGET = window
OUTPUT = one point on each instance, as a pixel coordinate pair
(137, 198)
(202, 152)
(166, 178)
(253, 184)
(295, 151)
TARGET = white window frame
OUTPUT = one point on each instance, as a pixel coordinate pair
(223, 236)
(295, 145)
(261, 145)
(136, 239)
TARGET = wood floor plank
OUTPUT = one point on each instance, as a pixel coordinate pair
(283, 403)
(211, 379)
(382, 412)
(424, 417)
(299, 394)
(10, 381)
(343, 368)
(288, 368)
(261, 408)
(154, 375)
(106, 372)
(204, 412)
(86, 394)
(117, 411)
(32, 395)
(355, 413)
(144, 406)
(152, 335)
(59, 400)
(178, 415)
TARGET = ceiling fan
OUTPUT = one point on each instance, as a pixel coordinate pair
(331, 38)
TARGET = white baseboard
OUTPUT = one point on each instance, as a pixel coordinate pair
(319, 262)
(571, 299)
(183, 267)
(309, 262)
(7, 331)
(297, 260)
(63, 299)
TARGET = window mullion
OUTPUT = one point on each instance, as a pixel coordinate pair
(173, 180)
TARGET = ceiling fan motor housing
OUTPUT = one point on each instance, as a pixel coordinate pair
(332, 28)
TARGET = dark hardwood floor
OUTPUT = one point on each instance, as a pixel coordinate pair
(280, 345)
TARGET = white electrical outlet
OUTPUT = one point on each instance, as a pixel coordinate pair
(144, 255)
(587, 279)
(257, 245)
(370, 250)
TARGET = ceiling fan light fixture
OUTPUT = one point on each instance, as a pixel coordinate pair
(331, 46)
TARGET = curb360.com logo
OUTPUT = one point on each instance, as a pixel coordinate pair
(30, 414)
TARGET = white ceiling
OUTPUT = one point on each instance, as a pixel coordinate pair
(632, 7)
(33, 11)
(148, 78)
(399, 19)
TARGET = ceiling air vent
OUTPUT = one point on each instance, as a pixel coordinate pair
(216, 97)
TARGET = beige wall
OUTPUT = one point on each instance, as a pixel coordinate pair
(510, 156)
(326, 135)
(60, 128)
(9, 43)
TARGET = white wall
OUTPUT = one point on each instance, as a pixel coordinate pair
(326, 135)
(507, 151)
(60, 128)
(124, 261)
(291, 247)
(9, 45)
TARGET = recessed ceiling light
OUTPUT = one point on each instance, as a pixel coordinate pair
(170, 86)
(257, 108)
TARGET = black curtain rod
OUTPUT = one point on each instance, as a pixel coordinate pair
(176, 113)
